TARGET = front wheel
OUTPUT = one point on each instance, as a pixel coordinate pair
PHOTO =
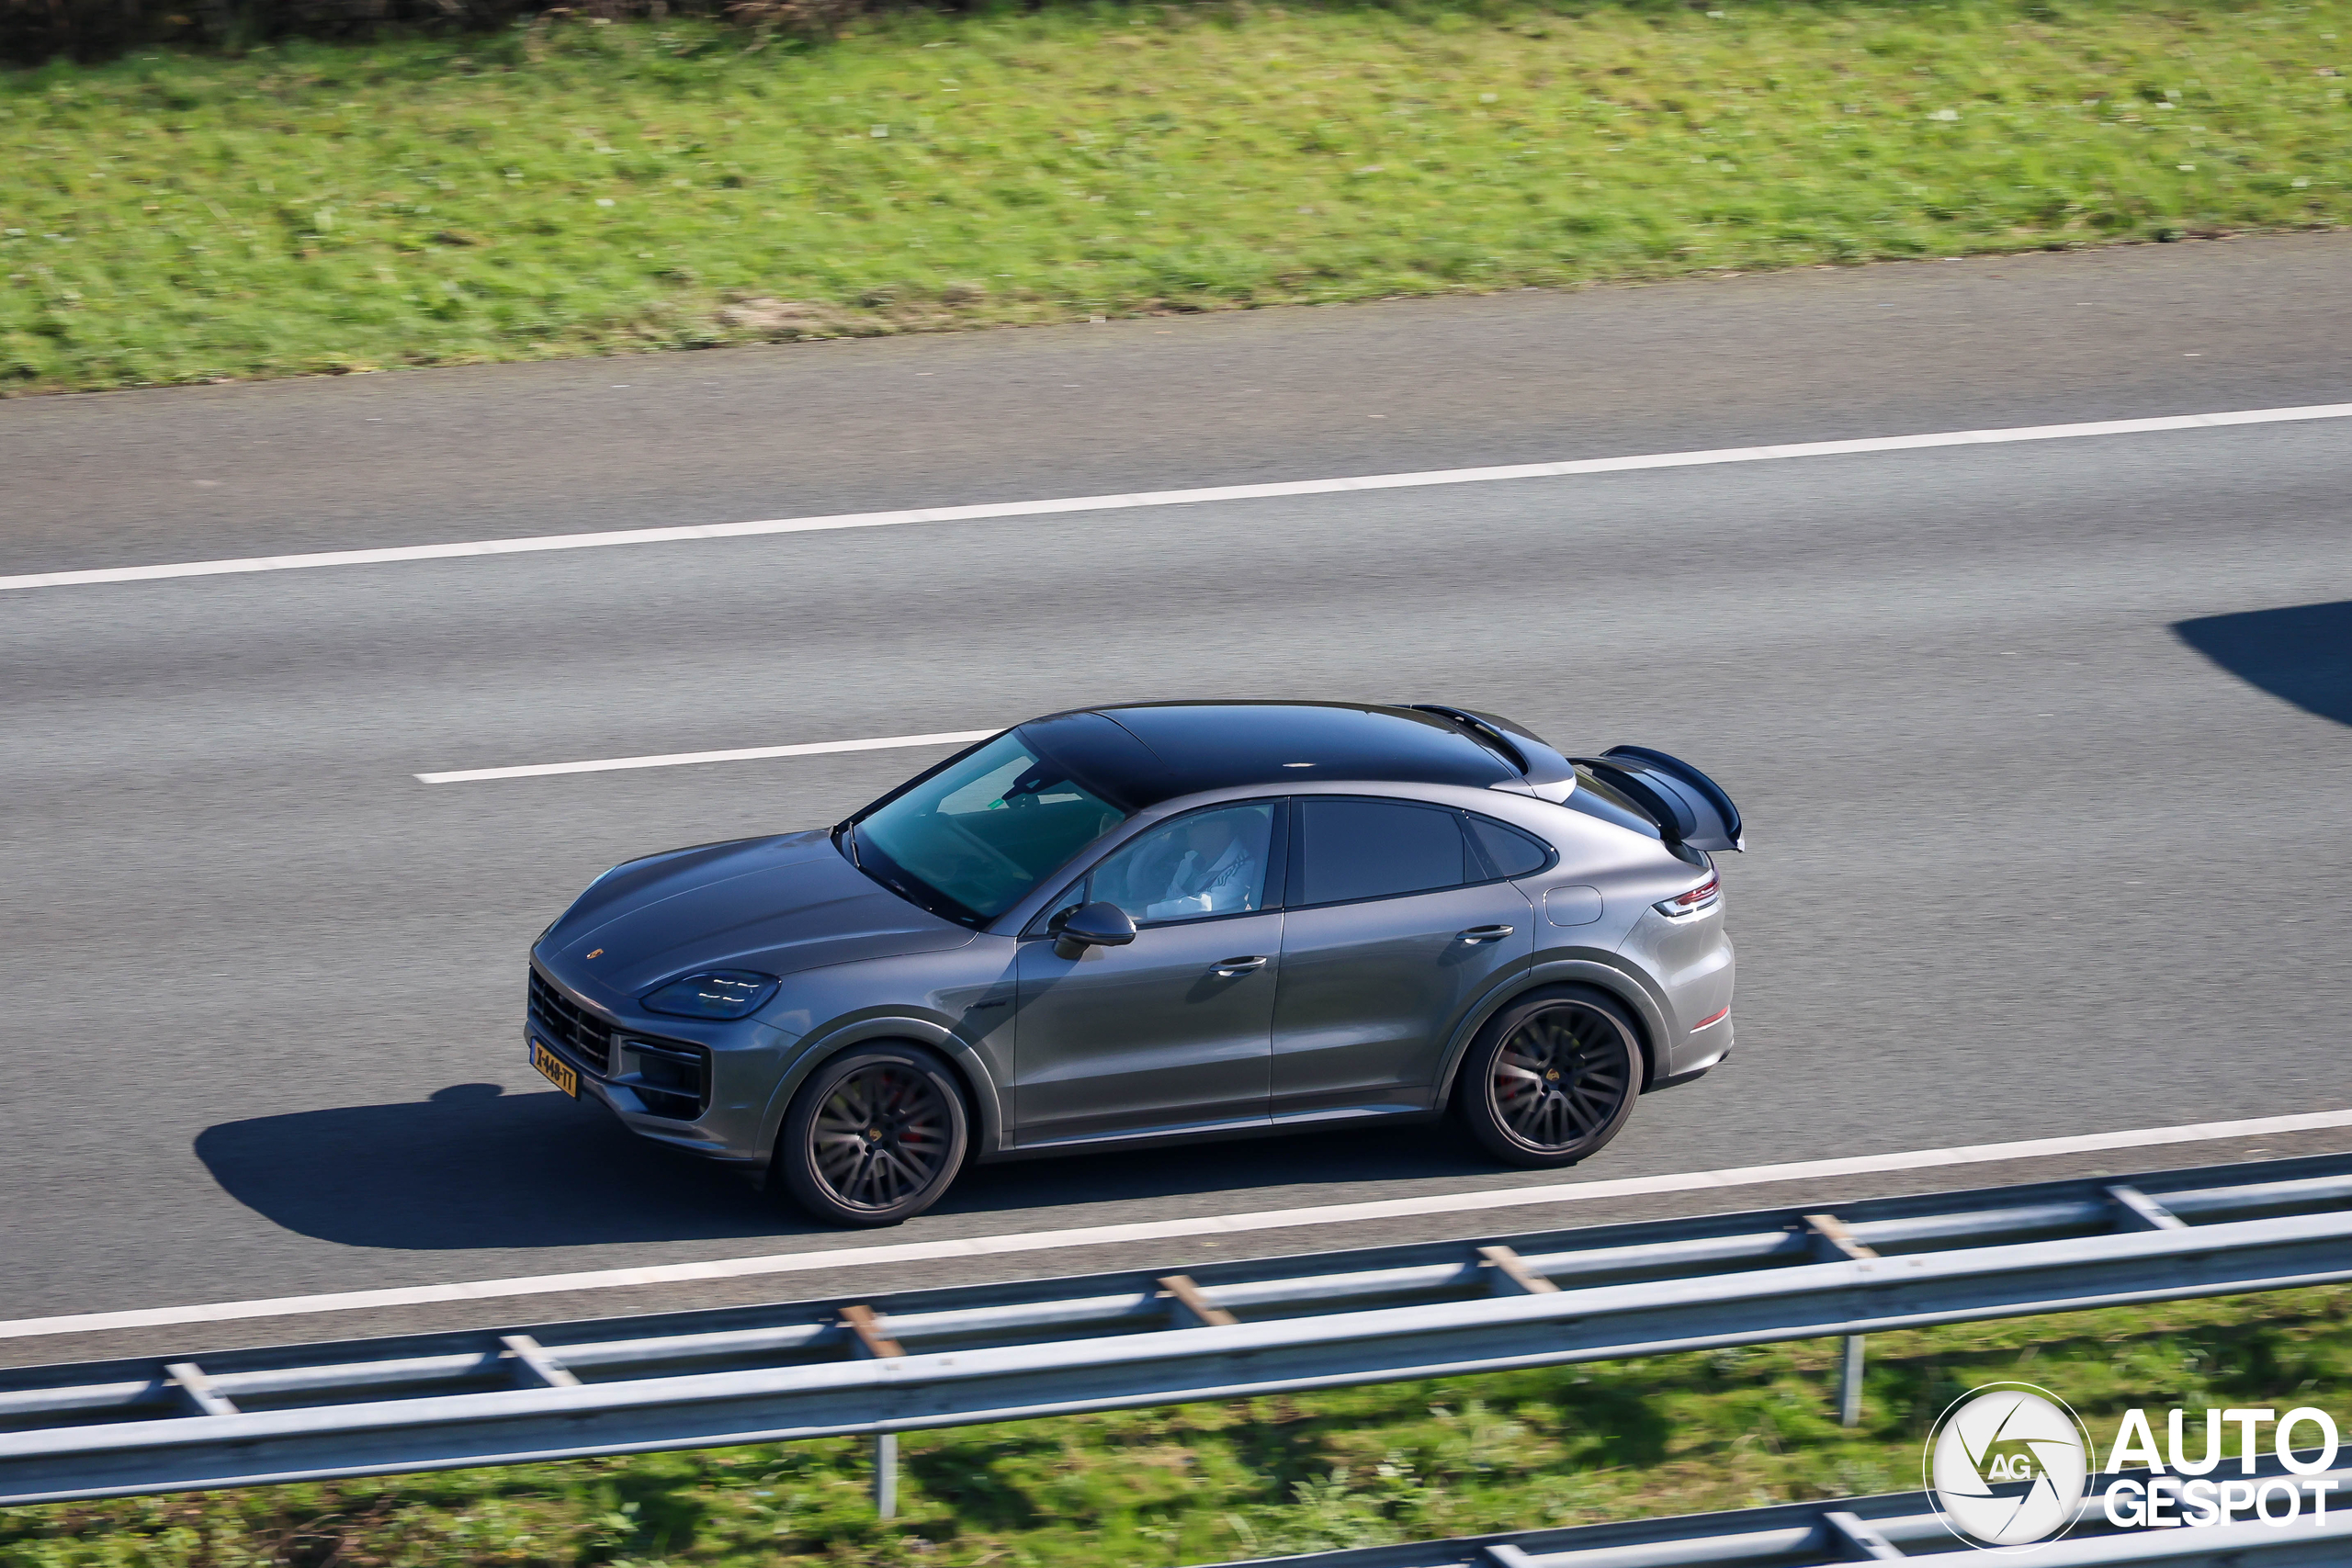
(874, 1137)
(1552, 1079)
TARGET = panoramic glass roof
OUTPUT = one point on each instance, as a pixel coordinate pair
(1155, 751)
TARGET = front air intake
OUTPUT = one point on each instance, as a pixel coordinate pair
(672, 1077)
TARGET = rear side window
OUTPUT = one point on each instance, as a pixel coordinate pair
(1375, 849)
(1508, 852)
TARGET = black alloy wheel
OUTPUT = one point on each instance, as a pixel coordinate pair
(875, 1136)
(1553, 1078)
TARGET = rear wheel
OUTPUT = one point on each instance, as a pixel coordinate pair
(1552, 1079)
(875, 1136)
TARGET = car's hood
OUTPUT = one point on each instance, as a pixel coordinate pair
(775, 905)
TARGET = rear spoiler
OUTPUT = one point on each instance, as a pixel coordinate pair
(1688, 806)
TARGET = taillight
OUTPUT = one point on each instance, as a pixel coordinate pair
(1697, 899)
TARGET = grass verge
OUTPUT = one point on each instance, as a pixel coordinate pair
(567, 188)
(1193, 1483)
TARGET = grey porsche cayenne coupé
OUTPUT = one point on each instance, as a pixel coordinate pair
(1139, 925)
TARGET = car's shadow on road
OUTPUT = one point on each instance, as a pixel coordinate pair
(2301, 653)
(475, 1167)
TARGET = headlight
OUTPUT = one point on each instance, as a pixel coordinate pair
(713, 993)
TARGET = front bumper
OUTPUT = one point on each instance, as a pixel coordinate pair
(701, 1088)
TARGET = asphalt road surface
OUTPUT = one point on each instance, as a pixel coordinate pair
(2042, 746)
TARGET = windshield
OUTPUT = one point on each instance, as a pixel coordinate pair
(973, 838)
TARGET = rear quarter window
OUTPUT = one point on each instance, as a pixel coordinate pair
(1508, 850)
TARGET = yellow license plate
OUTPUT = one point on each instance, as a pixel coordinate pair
(558, 1071)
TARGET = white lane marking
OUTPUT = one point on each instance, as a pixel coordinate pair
(1164, 1230)
(1178, 497)
(681, 759)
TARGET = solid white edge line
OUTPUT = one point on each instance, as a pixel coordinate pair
(1176, 497)
(682, 759)
(1163, 1230)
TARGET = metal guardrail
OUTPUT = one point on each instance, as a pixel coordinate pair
(1897, 1528)
(966, 1355)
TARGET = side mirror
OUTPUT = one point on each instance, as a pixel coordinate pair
(1093, 925)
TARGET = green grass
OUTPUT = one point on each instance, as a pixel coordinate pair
(1518, 1450)
(580, 188)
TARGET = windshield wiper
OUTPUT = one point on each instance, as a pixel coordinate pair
(887, 872)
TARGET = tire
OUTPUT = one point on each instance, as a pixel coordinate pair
(1552, 1078)
(875, 1136)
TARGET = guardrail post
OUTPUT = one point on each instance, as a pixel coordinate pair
(886, 1475)
(197, 1387)
(1858, 1537)
(1510, 1275)
(1187, 1305)
(532, 1358)
(1831, 1236)
(1850, 1382)
(2143, 1212)
(864, 1325)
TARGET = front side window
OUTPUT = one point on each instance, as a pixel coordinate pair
(1209, 863)
(1376, 849)
(973, 838)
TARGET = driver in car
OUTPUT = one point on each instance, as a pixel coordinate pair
(1217, 875)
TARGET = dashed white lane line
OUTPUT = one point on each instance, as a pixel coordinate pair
(682, 759)
(1177, 497)
(1168, 1229)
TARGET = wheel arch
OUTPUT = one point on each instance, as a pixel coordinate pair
(980, 1094)
(1649, 1015)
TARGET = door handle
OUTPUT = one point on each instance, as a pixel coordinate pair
(1231, 967)
(1487, 934)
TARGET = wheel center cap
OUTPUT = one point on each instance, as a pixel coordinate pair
(1551, 1074)
(875, 1134)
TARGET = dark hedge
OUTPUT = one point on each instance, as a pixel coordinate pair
(33, 31)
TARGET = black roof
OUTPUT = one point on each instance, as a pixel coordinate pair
(1147, 752)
